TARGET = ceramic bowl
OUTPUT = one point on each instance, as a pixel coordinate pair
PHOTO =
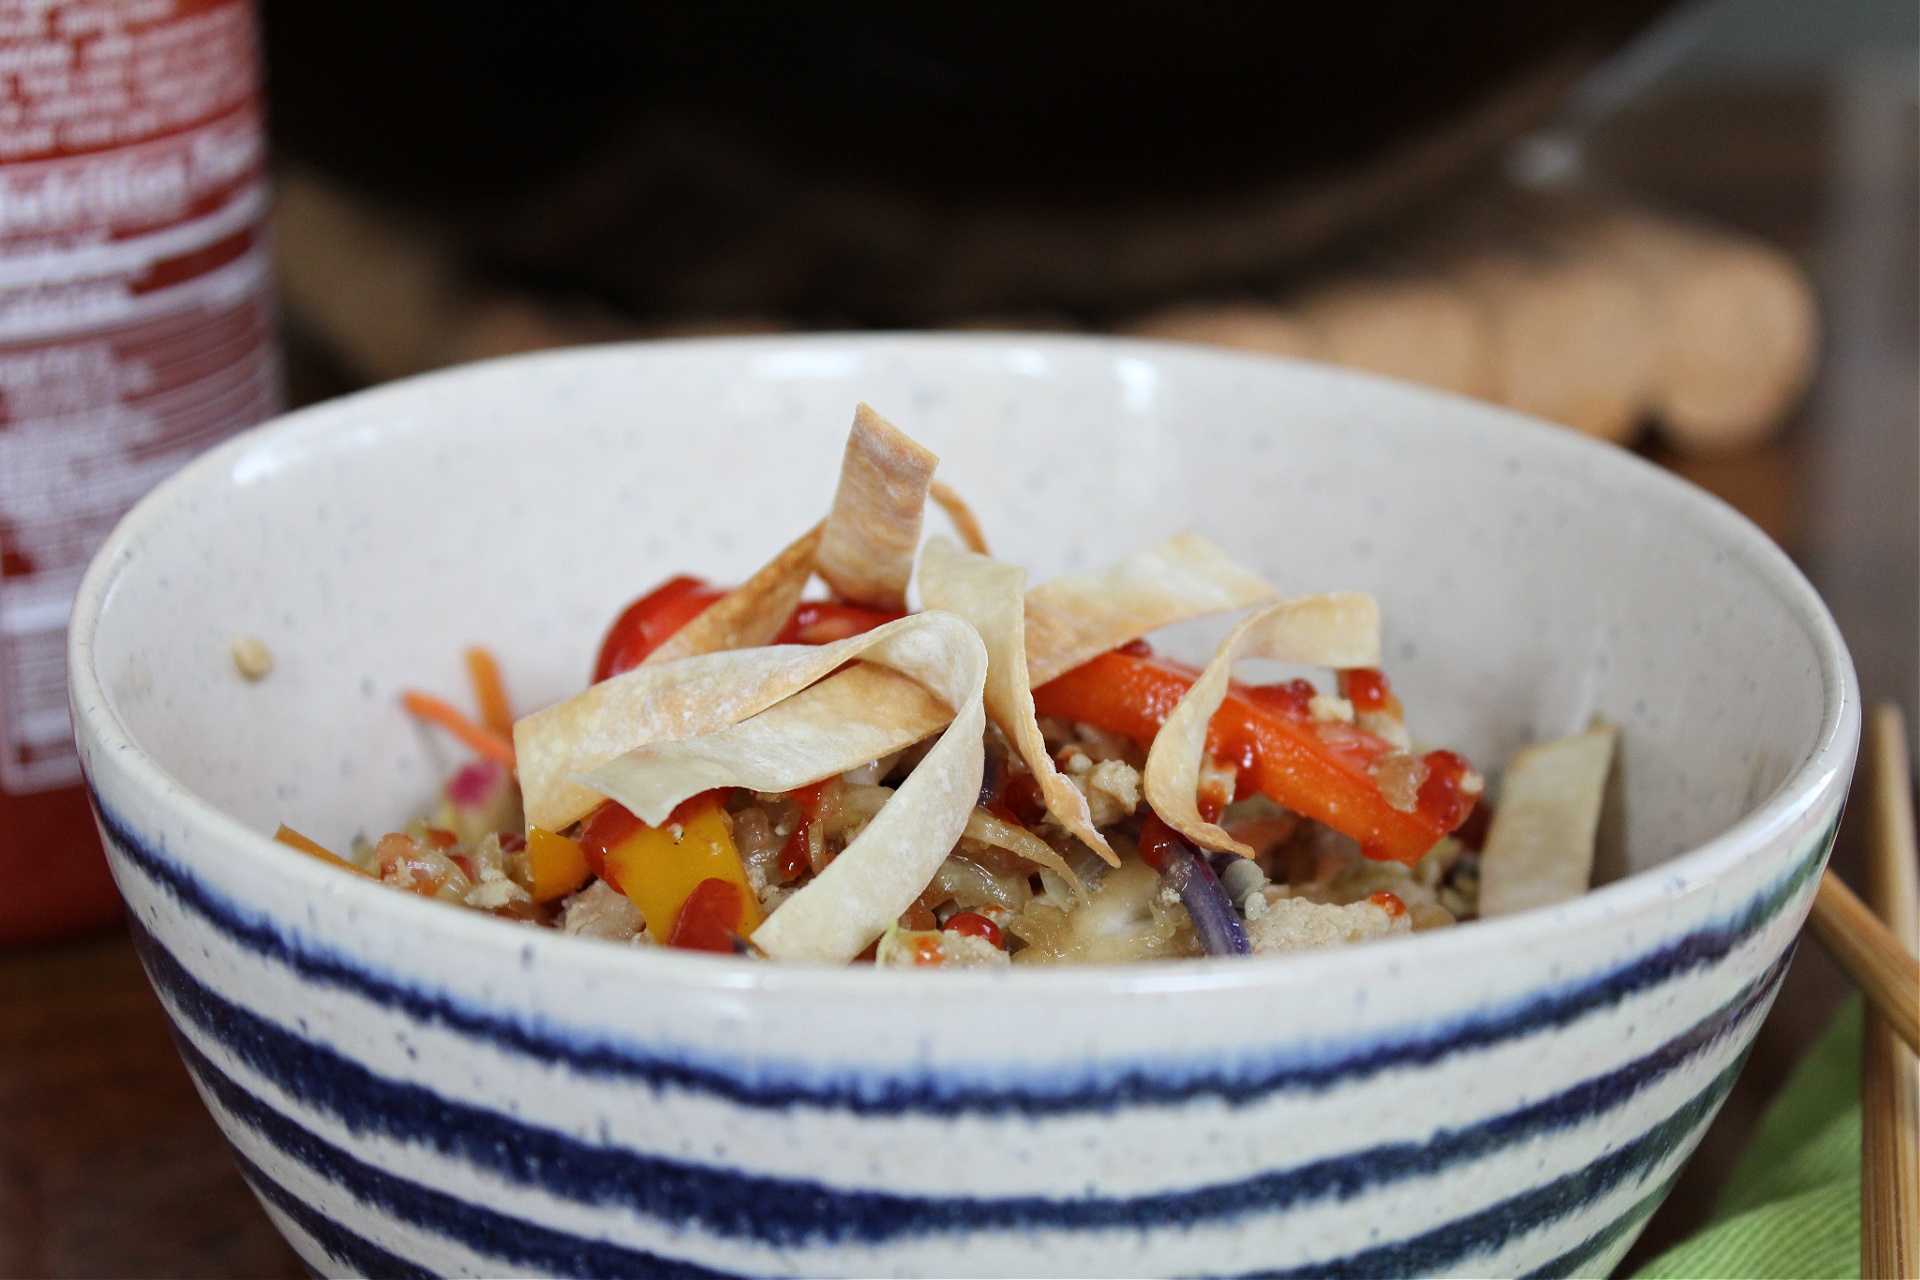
(416, 1089)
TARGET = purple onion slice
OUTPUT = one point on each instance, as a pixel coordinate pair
(1215, 922)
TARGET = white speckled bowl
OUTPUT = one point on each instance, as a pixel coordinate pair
(412, 1088)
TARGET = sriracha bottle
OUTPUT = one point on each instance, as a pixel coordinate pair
(136, 329)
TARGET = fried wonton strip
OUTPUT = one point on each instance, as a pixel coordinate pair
(847, 720)
(888, 865)
(651, 703)
(964, 521)
(991, 596)
(752, 613)
(663, 702)
(1540, 848)
(1082, 615)
(1340, 630)
(871, 534)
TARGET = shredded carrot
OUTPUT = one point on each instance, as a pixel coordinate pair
(490, 691)
(294, 840)
(494, 746)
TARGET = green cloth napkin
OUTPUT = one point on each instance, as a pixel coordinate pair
(1792, 1207)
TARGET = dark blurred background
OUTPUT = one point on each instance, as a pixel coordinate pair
(1501, 198)
(870, 163)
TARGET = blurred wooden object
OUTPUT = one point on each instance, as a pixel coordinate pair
(1268, 330)
(1885, 971)
(1890, 1072)
(1567, 337)
(1584, 311)
(1401, 326)
(1733, 324)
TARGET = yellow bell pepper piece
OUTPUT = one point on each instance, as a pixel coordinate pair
(557, 866)
(658, 870)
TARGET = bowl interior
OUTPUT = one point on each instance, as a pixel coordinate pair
(1529, 580)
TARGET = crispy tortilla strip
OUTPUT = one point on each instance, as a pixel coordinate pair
(1337, 630)
(847, 720)
(866, 550)
(965, 523)
(850, 718)
(890, 862)
(665, 702)
(879, 875)
(1082, 615)
(752, 613)
(991, 596)
(1540, 848)
(647, 704)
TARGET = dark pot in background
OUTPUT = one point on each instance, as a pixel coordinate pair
(880, 164)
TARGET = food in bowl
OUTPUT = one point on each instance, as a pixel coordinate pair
(418, 1089)
(1005, 776)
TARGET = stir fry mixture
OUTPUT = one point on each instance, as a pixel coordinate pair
(1008, 775)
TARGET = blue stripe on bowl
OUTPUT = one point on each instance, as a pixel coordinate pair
(1491, 1229)
(1580, 1260)
(515, 1240)
(784, 1212)
(512, 1240)
(342, 1245)
(1103, 1087)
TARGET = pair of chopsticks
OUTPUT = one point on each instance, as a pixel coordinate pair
(1876, 942)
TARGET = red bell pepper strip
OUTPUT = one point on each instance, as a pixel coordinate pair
(710, 918)
(1317, 769)
(606, 827)
(1156, 841)
(823, 622)
(648, 622)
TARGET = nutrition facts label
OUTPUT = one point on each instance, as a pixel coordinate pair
(135, 307)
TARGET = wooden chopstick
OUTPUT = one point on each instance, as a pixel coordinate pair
(1884, 970)
(1890, 1073)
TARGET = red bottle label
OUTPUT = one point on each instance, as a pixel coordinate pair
(136, 323)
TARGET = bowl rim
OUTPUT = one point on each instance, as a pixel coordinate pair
(1824, 769)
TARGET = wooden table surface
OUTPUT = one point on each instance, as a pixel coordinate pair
(109, 1166)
